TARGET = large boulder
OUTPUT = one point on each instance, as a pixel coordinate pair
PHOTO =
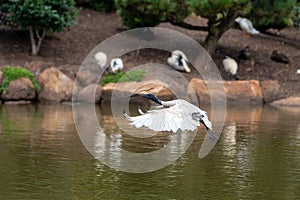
(155, 87)
(270, 90)
(36, 67)
(18, 90)
(85, 78)
(248, 92)
(55, 86)
(290, 101)
(89, 94)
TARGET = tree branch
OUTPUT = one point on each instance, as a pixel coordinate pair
(189, 26)
(40, 38)
(35, 45)
(37, 33)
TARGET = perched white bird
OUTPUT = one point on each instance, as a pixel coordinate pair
(116, 64)
(231, 67)
(178, 60)
(171, 116)
(101, 59)
(298, 71)
(246, 25)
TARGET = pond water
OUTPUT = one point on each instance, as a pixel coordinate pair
(42, 157)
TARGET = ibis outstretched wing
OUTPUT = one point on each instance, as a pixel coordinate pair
(167, 119)
(177, 115)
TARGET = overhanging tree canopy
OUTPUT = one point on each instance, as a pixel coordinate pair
(220, 14)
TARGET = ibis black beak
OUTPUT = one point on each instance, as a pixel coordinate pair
(140, 95)
(135, 95)
(211, 136)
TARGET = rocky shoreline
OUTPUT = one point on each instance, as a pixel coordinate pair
(57, 87)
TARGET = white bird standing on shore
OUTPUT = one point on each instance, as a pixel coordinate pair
(246, 25)
(231, 67)
(178, 60)
(116, 64)
(171, 116)
(101, 59)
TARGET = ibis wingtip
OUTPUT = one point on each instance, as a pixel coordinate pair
(125, 114)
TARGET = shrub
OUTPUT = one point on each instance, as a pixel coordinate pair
(143, 13)
(220, 14)
(38, 17)
(102, 5)
(296, 17)
(122, 77)
(272, 14)
(13, 73)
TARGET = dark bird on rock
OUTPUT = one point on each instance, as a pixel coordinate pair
(245, 54)
(279, 57)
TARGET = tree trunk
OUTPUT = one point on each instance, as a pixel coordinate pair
(216, 31)
(211, 41)
(35, 35)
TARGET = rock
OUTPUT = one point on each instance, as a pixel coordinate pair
(155, 87)
(85, 78)
(290, 101)
(279, 57)
(270, 90)
(20, 89)
(55, 86)
(22, 102)
(36, 67)
(86, 94)
(248, 92)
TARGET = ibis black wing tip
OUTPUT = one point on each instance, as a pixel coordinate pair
(125, 114)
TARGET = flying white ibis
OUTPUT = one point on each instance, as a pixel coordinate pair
(178, 60)
(231, 67)
(171, 116)
(246, 25)
(116, 64)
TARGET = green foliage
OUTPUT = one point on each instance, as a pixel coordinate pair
(13, 73)
(123, 77)
(143, 13)
(102, 5)
(219, 13)
(296, 16)
(38, 17)
(210, 9)
(52, 15)
(271, 14)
